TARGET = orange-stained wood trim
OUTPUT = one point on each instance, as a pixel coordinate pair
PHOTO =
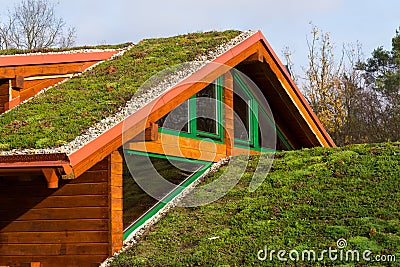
(22, 60)
(51, 176)
(17, 82)
(256, 57)
(115, 172)
(184, 147)
(44, 70)
(228, 112)
(12, 103)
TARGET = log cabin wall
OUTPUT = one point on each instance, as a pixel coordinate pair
(68, 226)
(4, 94)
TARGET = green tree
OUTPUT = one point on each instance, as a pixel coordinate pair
(382, 72)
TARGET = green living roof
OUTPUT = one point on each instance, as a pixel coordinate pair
(310, 199)
(62, 113)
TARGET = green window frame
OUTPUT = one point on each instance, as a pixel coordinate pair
(193, 133)
(254, 142)
(253, 118)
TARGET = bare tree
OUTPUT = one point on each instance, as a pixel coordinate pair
(338, 92)
(322, 85)
(34, 24)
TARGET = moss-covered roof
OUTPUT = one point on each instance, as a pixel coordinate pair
(309, 200)
(64, 112)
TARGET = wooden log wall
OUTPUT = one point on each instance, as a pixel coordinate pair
(68, 226)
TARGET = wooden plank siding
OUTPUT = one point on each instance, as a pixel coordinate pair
(68, 226)
(4, 94)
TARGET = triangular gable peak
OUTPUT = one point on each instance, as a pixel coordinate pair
(293, 114)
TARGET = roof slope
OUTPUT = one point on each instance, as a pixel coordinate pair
(64, 112)
(309, 200)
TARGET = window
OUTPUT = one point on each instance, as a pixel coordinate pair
(244, 120)
(241, 108)
(206, 107)
(200, 116)
(177, 119)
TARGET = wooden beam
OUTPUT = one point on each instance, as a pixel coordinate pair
(149, 134)
(51, 176)
(228, 112)
(256, 57)
(44, 70)
(115, 172)
(17, 83)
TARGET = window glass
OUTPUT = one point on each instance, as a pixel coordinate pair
(206, 108)
(136, 202)
(265, 131)
(177, 119)
(241, 107)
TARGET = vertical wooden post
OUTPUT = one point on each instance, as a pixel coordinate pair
(115, 174)
(228, 112)
(4, 94)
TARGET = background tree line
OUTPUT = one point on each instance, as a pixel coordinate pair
(357, 100)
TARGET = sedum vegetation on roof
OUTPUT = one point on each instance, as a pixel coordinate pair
(309, 200)
(56, 117)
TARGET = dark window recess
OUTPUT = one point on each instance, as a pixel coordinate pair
(206, 108)
(136, 202)
(177, 119)
(265, 131)
(241, 121)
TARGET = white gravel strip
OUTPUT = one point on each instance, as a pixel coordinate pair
(138, 101)
(135, 237)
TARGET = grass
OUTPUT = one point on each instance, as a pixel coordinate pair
(309, 200)
(65, 111)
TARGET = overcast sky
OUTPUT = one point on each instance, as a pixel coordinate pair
(284, 23)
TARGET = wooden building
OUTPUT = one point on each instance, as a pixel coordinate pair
(65, 207)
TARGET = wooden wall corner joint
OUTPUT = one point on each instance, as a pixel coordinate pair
(51, 176)
(17, 83)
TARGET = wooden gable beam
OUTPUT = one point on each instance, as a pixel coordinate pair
(51, 176)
